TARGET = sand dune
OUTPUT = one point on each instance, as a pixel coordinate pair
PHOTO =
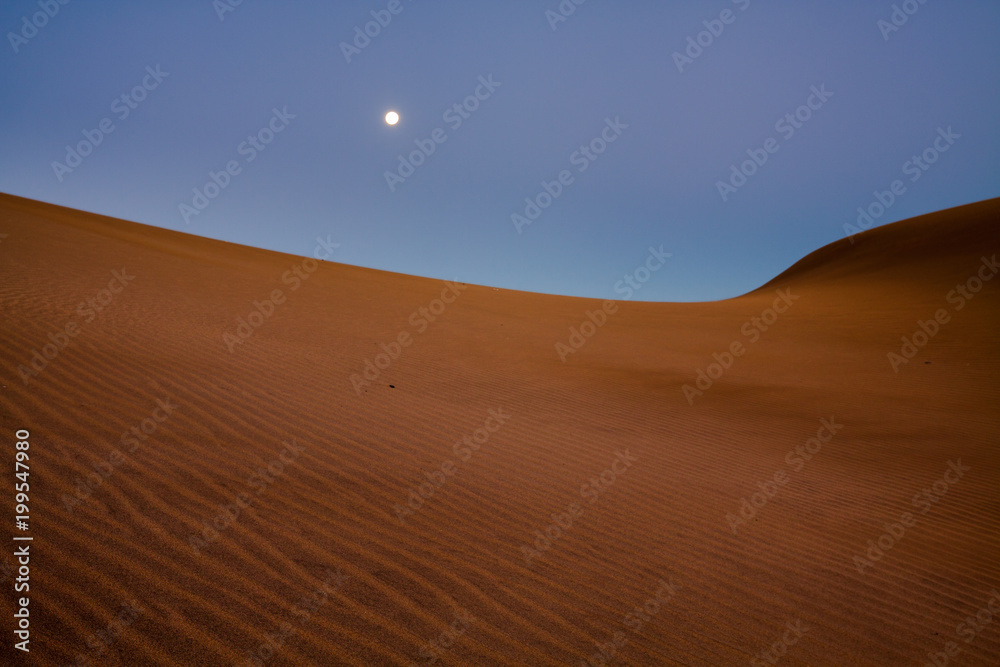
(474, 499)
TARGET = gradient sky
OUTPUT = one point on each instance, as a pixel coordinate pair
(323, 175)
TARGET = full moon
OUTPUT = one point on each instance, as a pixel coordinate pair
(392, 118)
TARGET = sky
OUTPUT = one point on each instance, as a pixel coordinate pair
(630, 125)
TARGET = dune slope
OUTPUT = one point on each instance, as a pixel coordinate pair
(273, 461)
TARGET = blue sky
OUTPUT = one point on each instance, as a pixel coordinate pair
(554, 87)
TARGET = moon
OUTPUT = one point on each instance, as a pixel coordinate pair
(392, 118)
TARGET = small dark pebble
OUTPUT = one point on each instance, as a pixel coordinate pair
(392, 386)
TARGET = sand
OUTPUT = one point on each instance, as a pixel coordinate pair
(477, 500)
